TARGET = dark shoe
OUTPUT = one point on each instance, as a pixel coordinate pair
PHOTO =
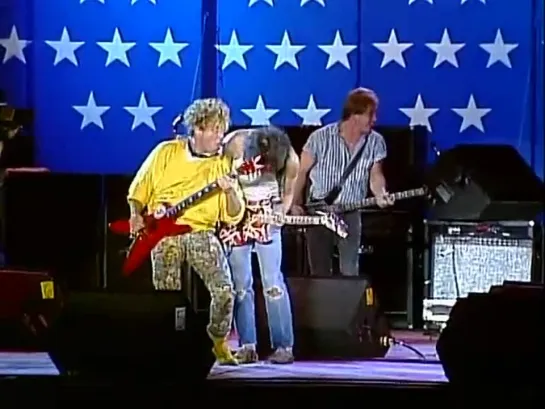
(282, 356)
(246, 355)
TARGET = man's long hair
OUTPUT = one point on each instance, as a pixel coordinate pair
(273, 144)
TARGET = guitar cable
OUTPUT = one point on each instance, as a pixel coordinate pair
(388, 340)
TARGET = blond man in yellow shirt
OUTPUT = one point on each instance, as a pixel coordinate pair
(174, 170)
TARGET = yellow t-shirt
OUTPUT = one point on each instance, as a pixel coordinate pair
(171, 173)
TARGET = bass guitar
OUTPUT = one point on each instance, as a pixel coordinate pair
(369, 202)
(162, 222)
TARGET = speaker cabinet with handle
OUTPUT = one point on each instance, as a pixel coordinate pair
(485, 182)
(337, 318)
(155, 335)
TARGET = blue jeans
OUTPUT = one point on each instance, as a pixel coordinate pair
(277, 300)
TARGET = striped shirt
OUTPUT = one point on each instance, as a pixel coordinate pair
(331, 156)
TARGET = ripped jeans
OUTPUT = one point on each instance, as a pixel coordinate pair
(277, 301)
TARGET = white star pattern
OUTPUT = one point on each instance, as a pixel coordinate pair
(499, 51)
(260, 115)
(311, 115)
(116, 49)
(338, 52)
(14, 46)
(419, 114)
(286, 53)
(472, 115)
(65, 48)
(169, 50)
(234, 52)
(320, 2)
(393, 50)
(252, 2)
(445, 50)
(143, 113)
(288, 63)
(92, 113)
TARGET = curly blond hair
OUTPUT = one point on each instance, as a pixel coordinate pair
(207, 112)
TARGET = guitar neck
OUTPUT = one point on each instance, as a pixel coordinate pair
(188, 201)
(302, 220)
(372, 201)
(292, 220)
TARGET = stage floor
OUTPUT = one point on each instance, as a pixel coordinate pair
(27, 363)
(400, 365)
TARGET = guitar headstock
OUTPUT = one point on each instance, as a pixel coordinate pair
(426, 192)
(250, 167)
(334, 223)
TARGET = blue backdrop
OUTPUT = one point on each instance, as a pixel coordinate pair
(107, 77)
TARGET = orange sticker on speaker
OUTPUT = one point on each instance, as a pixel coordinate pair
(48, 290)
(369, 296)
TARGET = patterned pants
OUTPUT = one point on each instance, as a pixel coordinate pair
(204, 253)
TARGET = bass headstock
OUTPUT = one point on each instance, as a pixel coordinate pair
(334, 223)
(250, 167)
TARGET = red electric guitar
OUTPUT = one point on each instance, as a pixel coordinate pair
(162, 222)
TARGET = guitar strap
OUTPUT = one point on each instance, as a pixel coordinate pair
(334, 193)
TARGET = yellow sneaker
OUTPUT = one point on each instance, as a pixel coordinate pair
(223, 353)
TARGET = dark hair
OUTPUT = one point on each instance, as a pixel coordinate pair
(273, 145)
(359, 101)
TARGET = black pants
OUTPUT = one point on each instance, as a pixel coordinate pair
(321, 242)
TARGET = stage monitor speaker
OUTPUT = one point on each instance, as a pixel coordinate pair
(337, 318)
(495, 339)
(485, 183)
(113, 335)
(29, 302)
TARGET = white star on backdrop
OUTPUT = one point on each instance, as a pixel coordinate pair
(321, 2)
(338, 52)
(472, 115)
(260, 115)
(498, 50)
(413, 1)
(445, 50)
(143, 113)
(92, 113)
(65, 48)
(169, 49)
(393, 50)
(252, 2)
(151, 1)
(116, 49)
(286, 53)
(234, 52)
(419, 114)
(14, 46)
(311, 115)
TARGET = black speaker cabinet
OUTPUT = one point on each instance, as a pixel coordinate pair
(53, 222)
(485, 182)
(337, 318)
(155, 335)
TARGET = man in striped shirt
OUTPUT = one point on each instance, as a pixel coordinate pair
(325, 155)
